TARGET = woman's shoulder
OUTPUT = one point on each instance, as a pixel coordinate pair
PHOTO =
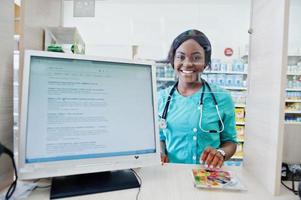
(162, 97)
(164, 93)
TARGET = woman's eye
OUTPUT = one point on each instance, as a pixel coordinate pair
(180, 57)
(197, 58)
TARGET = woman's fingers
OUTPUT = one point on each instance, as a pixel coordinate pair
(212, 158)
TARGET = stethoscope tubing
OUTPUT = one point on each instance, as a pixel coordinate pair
(163, 121)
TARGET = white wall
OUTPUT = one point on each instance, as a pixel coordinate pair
(152, 26)
(294, 42)
(6, 84)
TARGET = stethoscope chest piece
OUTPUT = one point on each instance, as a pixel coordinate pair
(162, 123)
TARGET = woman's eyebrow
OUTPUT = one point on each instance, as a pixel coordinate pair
(180, 52)
(196, 53)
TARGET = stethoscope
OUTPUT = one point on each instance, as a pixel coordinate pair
(163, 122)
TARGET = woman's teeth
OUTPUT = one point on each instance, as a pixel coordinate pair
(187, 72)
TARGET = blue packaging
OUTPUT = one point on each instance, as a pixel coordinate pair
(221, 79)
(230, 80)
(238, 80)
(215, 65)
(224, 67)
(211, 78)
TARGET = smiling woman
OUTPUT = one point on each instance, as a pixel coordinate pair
(188, 63)
(200, 127)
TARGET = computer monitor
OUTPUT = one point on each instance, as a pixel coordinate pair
(82, 115)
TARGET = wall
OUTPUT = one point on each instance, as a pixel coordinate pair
(294, 42)
(267, 82)
(6, 85)
(152, 26)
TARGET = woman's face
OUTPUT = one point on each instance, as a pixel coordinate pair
(189, 61)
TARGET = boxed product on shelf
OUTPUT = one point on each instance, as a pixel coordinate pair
(220, 79)
(293, 119)
(162, 85)
(169, 72)
(239, 97)
(240, 115)
(246, 65)
(293, 106)
(239, 151)
(63, 39)
(294, 81)
(230, 80)
(160, 72)
(238, 66)
(292, 95)
(238, 80)
(294, 68)
(240, 132)
(224, 67)
(215, 65)
(211, 78)
(236, 163)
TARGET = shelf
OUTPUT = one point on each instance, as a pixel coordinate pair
(292, 112)
(241, 105)
(165, 79)
(293, 74)
(238, 155)
(236, 88)
(293, 89)
(240, 123)
(293, 123)
(292, 101)
(224, 72)
(294, 55)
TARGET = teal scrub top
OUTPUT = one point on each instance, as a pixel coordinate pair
(185, 142)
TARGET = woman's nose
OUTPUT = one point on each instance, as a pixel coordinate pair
(187, 62)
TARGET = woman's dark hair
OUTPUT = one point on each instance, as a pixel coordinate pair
(196, 35)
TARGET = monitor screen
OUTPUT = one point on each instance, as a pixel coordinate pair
(83, 114)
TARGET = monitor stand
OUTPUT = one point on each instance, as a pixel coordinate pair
(74, 185)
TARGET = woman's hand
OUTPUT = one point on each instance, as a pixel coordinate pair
(212, 158)
(164, 158)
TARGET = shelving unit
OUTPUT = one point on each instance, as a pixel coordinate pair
(230, 76)
(293, 90)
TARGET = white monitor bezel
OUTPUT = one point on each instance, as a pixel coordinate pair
(81, 166)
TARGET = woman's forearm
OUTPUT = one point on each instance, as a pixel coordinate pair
(229, 148)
